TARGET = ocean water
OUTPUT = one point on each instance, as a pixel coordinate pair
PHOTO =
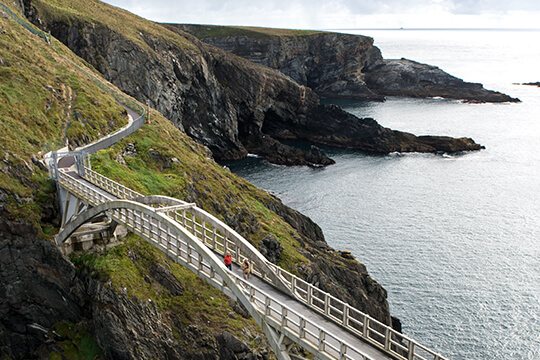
(455, 239)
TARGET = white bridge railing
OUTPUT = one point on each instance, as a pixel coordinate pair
(184, 248)
(221, 238)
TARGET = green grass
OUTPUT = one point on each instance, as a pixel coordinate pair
(41, 93)
(125, 268)
(217, 187)
(77, 343)
(99, 14)
(43, 97)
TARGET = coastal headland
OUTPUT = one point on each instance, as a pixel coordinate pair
(130, 301)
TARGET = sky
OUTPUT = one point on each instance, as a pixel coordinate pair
(342, 14)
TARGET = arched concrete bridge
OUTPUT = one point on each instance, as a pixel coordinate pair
(288, 310)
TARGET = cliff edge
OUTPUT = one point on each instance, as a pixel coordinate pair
(339, 65)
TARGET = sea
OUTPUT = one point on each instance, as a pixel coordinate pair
(453, 238)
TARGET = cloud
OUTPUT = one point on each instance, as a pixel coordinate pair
(327, 14)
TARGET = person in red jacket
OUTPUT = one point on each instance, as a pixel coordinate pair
(228, 261)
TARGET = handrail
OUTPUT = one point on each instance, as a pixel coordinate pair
(113, 138)
(183, 247)
(220, 238)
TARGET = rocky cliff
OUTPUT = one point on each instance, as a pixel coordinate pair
(340, 65)
(220, 100)
(49, 308)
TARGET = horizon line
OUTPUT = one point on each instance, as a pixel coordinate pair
(432, 28)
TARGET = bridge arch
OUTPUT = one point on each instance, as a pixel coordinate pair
(281, 325)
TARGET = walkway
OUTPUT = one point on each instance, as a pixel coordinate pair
(288, 309)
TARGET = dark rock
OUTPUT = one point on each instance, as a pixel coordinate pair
(162, 162)
(229, 345)
(38, 288)
(270, 247)
(125, 329)
(410, 78)
(278, 153)
(346, 130)
(329, 63)
(347, 66)
(166, 278)
(225, 102)
(239, 309)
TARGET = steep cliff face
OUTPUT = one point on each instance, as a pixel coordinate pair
(50, 308)
(341, 65)
(42, 295)
(329, 63)
(223, 101)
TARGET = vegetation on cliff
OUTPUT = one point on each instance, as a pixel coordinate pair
(220, 100)
(46, 101)
(215, 31)
(50, 309)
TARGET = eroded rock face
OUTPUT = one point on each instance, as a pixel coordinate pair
(329, 63)
(224, 102)
(38, 288)
(413, 79)
(348, 66)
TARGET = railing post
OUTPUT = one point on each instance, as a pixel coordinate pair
(203, 231)
(322, 337)
(346, 315)
(342, 351)
(267, 308)
(366, 326)
(301, 327)
(168, 241)
(326, 304)
(387, 339)
(411, 350)
(283, 317)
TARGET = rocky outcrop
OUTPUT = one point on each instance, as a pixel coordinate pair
(364, 134)
(329, 63)
(222, 101)
(346, 66)
(413, 79)
(40, 288)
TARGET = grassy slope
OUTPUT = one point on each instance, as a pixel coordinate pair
(43, 94)
(40, 92)
(119, 20)
(206, 31)
(193, 172)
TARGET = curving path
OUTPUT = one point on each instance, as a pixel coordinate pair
(288, 310)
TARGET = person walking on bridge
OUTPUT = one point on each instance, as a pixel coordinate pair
(228, 261)
(246, 269)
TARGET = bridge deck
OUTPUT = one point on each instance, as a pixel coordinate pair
(310, 314)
